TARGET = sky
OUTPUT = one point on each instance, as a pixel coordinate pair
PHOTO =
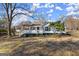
(50, 11)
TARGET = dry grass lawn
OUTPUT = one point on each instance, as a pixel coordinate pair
(66, 46)
(45, 46)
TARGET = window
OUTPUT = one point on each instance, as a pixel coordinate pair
(32, 28)
(47, 29)
(37, 28)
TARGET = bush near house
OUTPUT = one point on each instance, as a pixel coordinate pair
(58, 25)
(3, 32)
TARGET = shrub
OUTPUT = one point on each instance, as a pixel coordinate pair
(58, 25)
(3, 31)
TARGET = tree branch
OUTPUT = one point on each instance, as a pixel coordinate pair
(7, 10)
(3, 6)
(10, 12)
(21, 14)
(14, 7)
(21, 8)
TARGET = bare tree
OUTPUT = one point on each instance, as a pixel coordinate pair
(9, 8)
(70, 23)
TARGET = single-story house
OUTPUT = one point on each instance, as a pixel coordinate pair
(35, 27)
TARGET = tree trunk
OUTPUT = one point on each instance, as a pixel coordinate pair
(13, 31)
(9, 29)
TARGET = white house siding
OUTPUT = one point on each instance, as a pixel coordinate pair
(33, 28)
(40, 31)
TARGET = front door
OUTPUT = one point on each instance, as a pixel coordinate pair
(38, 28)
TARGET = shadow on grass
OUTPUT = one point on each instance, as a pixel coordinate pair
(49, 48)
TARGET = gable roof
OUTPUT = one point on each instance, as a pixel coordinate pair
(41, 22)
